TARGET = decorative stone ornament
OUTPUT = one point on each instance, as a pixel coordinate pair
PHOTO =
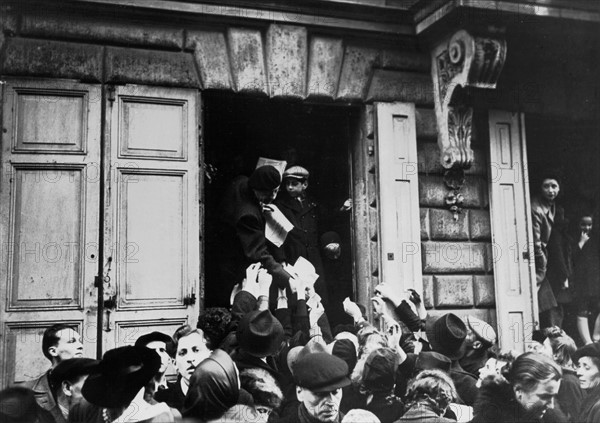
(458, 62)
(454, 180)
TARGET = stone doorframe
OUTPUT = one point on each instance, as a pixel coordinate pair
(288, 63)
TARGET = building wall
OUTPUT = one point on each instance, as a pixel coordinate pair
(290, 62)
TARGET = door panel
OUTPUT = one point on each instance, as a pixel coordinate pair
(152, 218)
(399, 196)
(49, 213)
(155, 241)
(514, 272)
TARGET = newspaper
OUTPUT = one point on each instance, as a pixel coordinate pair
(277, 164)
(303, 269)
(277, 225)
(463, 413)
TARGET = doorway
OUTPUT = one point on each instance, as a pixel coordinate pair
(238, 130)
(569, 150)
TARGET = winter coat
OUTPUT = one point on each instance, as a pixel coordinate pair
(43, 394)
(422, 413)
(497, 403)
(544, 217)
(570, 394)
(303, 240)
(242, 236)
(465, 383)
(590, 408)
(475, 361)
(173, 396)
(386, 409)
(586, 268)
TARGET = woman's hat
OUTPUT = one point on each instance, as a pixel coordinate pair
(447, 336)
(213, 387)
(122, 372)
(589, 350)
(144, 340)
(260, 333)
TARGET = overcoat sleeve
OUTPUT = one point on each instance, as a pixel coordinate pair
(251, 232)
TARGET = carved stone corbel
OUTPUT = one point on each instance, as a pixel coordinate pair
(461, 61)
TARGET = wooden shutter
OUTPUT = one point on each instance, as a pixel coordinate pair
(398, 203)
(152, 210)
(514, 272)
(49, 214)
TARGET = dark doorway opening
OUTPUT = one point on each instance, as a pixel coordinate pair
(569, 150)
(239, 129)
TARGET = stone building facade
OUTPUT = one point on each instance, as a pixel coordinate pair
(105, 62)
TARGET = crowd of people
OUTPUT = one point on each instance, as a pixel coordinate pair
(272, 356)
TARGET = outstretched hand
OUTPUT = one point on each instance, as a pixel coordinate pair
(352, 310)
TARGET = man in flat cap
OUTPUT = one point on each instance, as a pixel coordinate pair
(242, 232)
(481, 337)
(319, 379)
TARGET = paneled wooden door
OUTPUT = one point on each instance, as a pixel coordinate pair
(52, 208)
(49, 214)
(514, 267)
(152, 221)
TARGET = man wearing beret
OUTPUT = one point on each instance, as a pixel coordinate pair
(242, 233)
(481, 337)
(319, 379)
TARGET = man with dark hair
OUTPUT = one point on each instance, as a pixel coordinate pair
(60, 342)
(215, 323)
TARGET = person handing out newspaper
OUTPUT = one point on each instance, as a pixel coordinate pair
(244, 213)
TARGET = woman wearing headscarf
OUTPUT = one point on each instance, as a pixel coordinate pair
(588, 372)
(214, 388)
(525, 392)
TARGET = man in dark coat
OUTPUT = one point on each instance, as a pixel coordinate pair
(303, 212)
(447, 335)
(242, 231)
(60, 342)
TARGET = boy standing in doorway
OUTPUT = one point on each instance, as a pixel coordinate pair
(303, 212)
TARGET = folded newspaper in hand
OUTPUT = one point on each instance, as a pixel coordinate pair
(277, 226)
(302, 269)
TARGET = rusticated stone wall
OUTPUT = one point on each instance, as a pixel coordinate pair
(287, 62)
